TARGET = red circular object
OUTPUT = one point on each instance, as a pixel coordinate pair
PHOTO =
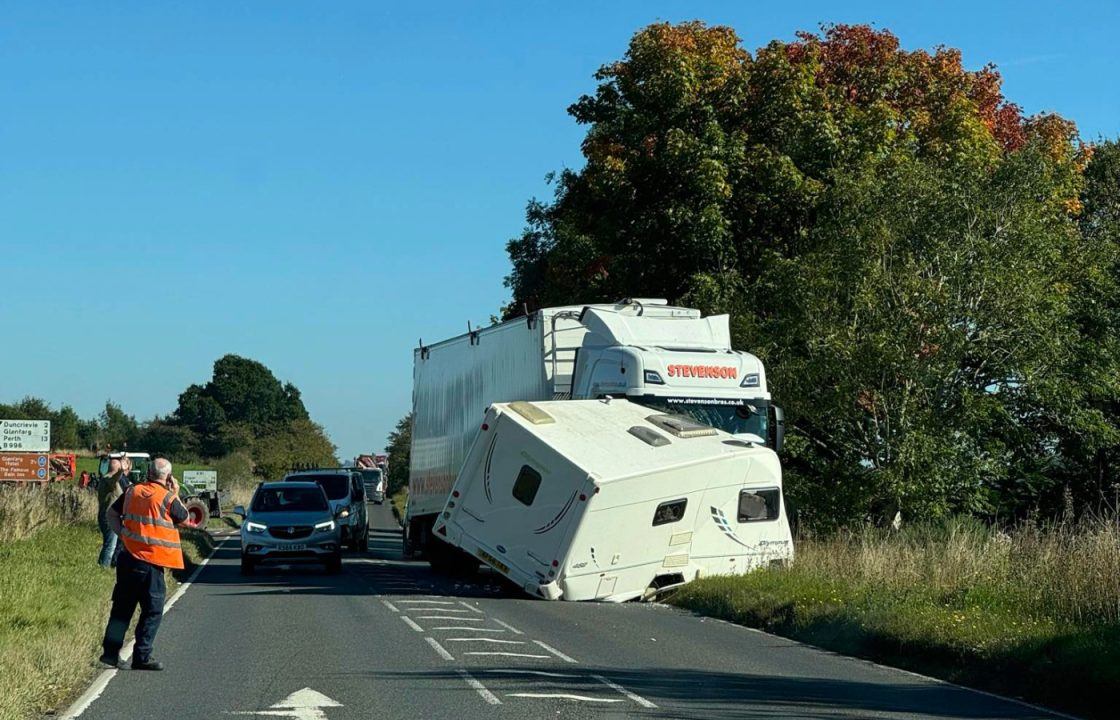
(582, 496)
(454, 493)
(555, 563)
(485, 426)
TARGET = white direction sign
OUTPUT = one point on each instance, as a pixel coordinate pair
(305, 704)
(25, 435)
(201, 479)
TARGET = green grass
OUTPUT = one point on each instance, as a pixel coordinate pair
(400, 502)
(1034, 613)
(54, 602)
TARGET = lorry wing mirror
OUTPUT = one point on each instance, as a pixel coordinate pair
(778, 427)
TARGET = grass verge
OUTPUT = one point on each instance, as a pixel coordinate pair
(1034, 613)
(400, 502)
(54, 602)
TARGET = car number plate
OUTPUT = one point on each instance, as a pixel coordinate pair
(296, 546)
(493, 561)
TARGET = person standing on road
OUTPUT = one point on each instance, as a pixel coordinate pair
(109, 489)
(145, 516)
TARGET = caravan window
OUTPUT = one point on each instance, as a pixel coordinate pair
(759, 505)
(527, 484)
(669, 512)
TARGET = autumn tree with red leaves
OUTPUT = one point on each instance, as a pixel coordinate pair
(891, 235)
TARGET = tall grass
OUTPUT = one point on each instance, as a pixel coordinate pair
(1033, 611)
(26, 509)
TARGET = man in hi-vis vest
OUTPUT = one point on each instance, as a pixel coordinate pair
(144, 517)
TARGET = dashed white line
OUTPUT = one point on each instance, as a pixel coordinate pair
(488, 696)
(563, 696)
(428, 602)
(390, 605)
(440, 650)
(509, 627)
(488, 640)
(449, 617)
(408, 621)
(542, 673)
(509, 654)
(556, 652)
(467, 627)
(618, 688)
(470, 607)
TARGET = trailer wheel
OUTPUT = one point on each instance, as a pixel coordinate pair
(198, 512)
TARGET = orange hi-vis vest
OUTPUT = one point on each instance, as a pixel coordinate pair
(146, 527)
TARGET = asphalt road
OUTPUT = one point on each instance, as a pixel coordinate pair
(388, 639)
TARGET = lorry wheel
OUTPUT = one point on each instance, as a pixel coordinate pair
(247, 566)
(198, 512)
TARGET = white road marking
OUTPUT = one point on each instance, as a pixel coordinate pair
(618, 688)
(556, 652)
(390, 605)
(471, 607)
(542, 673)
(305, 704)
(449, 617)
(102, 681)
(489, 640)
(429, 602)
(509, 654)
(439, 649)
(509, 627)
(564, 696)
(467, 627)
(488, 696)
(408, 621)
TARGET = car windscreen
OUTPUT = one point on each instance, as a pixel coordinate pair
(730, 415)
(336, 486)
(289, 499)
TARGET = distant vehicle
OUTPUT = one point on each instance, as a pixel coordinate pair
(374, 481)
(654, 501)
(199, 509)
(289, 522)
(347, 497)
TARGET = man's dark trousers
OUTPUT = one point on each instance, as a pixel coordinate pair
(138, 583)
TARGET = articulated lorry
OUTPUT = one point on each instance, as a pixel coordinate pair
(668, 359)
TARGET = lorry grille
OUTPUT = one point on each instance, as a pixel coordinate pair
(290, 532)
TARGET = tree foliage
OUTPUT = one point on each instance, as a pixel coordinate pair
(400, 453)
(926, 272)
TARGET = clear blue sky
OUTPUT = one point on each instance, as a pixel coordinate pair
(317, 185)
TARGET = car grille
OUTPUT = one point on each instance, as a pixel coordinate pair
(290, 532)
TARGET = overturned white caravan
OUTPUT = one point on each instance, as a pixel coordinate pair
(609, 500)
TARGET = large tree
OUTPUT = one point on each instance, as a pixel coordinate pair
(891, 235)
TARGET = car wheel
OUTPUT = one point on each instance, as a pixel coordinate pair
(334, 564)
(247, 566)
(365, 540)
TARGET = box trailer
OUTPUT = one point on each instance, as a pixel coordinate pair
(669, 359)
(609, 500)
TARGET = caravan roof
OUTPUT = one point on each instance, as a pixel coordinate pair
(601, 434)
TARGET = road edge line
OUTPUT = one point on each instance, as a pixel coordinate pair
(101, 682)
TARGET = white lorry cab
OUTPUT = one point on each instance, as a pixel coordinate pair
(610, 500)
(665, 358)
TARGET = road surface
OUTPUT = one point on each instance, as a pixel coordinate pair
(388, 639)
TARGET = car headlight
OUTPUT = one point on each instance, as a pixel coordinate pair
(344, 514)
(255, 527)
(325, 526)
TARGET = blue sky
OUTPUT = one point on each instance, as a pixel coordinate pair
(318, 185)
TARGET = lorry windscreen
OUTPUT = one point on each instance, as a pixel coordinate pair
(337, 487)
(727, 414)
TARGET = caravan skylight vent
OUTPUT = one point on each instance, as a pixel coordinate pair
(680, 426)
(649, 436)
(531, 412)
